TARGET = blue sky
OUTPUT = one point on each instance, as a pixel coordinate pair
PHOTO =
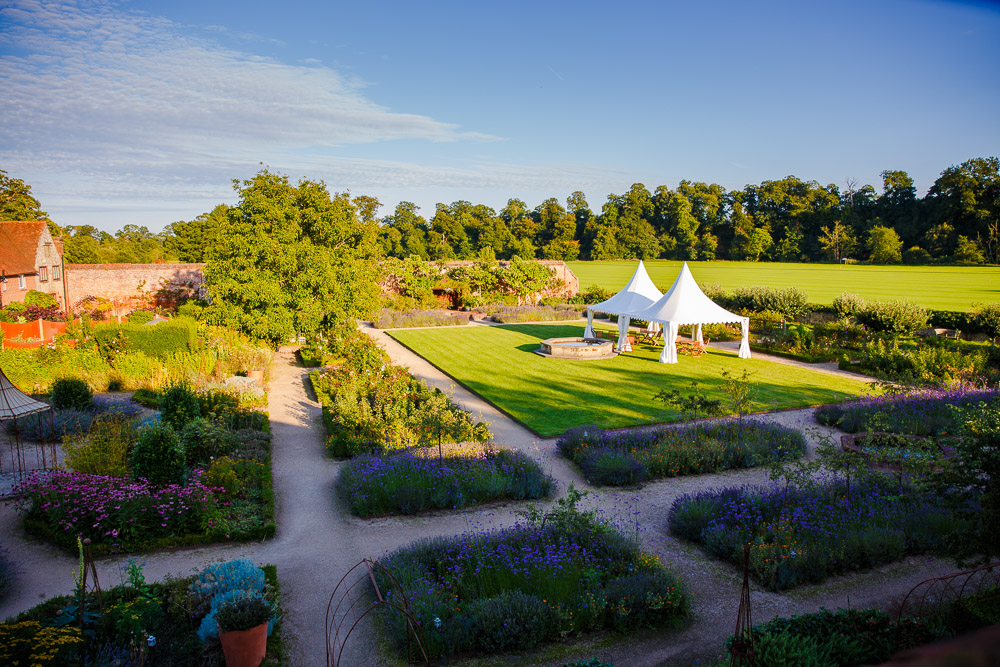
(144, 111)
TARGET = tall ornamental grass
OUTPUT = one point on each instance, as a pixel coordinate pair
(929, 412)
(414, 481)
(511, 589)
(618, 458)
(804, 535)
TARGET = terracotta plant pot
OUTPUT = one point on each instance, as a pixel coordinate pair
(244, 648)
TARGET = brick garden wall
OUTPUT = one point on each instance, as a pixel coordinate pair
(129, 286)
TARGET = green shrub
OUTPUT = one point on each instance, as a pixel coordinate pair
(190, 309)
(203, 440)
(847, 305)
(986, 317)
(71, 393)
(924, 365)
(595, 294)
(916, 256)
(511, 620)
(148, 398)
(140, 316)
(790, 302)
(39, 299)
(105, 448)
(178, 406)
(157, 456)
(893, 317)
(136, 370)
(250, 444)
(159, 340)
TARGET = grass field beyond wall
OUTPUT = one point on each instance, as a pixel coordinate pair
(937, 287)
(550, 396)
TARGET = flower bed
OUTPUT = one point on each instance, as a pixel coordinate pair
(414, 481)
(920, 413)
(892, 451)
(514, 588)
(371, 406)
(396, 319)
(517, 314)
(142, 485)
(843, 637)
(155, 623)
(804, 535)
(623, 457)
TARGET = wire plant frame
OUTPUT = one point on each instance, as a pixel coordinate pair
(357, 595)
(15, 408)
(933, 597)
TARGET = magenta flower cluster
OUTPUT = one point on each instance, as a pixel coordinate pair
(118, 510)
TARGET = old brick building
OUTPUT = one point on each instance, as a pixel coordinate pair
(30, 259)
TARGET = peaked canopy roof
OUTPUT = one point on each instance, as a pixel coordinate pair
(684, 303)
(639, 293)
(15, 403)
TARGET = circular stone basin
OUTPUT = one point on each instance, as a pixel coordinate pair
(577, 348)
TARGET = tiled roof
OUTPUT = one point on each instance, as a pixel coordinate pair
(19, 246)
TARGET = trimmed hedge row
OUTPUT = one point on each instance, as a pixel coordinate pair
(159, 340)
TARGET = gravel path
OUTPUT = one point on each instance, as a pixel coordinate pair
(318, 540)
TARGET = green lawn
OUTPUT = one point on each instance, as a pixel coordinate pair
(938, 287)
(550, 396)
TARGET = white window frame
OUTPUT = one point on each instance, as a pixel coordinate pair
(55, 272)
(43, 274)
(22, 282)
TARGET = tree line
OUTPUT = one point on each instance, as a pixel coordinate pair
(788, 220)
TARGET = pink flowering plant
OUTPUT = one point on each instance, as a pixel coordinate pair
(118, 513)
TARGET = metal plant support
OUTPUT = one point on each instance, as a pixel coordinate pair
(356, 595)
(933, 596)
(15, 407)
(741, 651)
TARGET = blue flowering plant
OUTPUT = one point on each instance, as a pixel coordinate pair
(551, 575)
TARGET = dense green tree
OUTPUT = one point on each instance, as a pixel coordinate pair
(404, 233)
(190, 241)
(290, 259)
(884, 245)
(557, 229)
(898, 207)
(968, 251)
(16, 201)
(675, 224)
(837, 240)
(967, 197)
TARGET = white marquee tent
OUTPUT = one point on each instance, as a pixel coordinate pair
(639, 293)
(685, 303)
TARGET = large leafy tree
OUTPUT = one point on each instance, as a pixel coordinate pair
(291, 259)
(884, 245)
(16, 202)
(191, 241)
(967, 197)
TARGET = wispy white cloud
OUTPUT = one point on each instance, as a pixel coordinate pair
(102, 103)
(91, 75)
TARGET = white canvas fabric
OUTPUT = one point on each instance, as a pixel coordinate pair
(745, 341)
(623, 345)
(639, 293)
(15, 403)
(588, 332)
(683, 304)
